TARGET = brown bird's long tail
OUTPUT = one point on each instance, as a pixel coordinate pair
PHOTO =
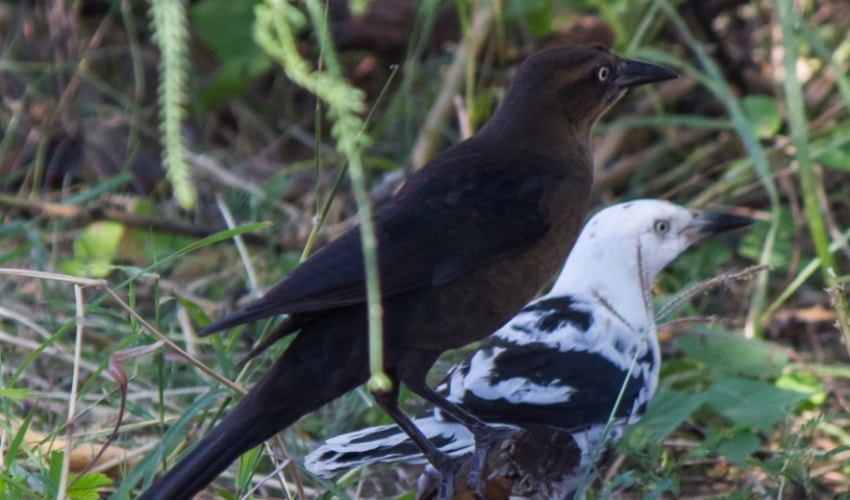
(242, 429)
(315, 369)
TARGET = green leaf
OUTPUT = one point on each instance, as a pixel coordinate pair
(246, 465)
(226, 27)
(87, 486)
(751, 403)
(667, 411)
(14, 445)
(837, 157)
(14, 484)
(232, 77)
(54, 472)
(803, 383)
(783, 249)
(196, 312)
(726, 354)
(536, 13)
(738, 446)
(481, 108)
(763, 114)
(15, 394)
(94, 249)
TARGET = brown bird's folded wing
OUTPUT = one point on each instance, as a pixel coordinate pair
(434, 230)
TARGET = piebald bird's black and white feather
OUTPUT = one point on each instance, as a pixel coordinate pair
(565, 358)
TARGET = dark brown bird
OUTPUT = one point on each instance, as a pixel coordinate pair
(467, 241)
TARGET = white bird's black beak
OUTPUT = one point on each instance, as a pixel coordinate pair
(709, 223)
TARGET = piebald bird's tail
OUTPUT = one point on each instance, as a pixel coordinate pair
(386, 443)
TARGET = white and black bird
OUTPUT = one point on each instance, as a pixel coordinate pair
(566, 357)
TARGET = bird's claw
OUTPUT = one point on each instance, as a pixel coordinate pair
(446, 487)
(446, 468)
(485, 438)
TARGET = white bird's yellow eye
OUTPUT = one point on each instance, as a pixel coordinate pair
(661, 226)
(603, 73)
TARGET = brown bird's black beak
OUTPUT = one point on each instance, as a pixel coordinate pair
(709, 223)
(636, 73)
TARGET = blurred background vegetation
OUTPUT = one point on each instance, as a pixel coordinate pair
(138, 138)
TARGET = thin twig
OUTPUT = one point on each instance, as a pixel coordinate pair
(102, 285)
(240, 246)
(155, 224)
(693, 290)
(279, 467)
(72, 397)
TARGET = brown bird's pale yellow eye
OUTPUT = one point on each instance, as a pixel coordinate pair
(603, 73)
(661, 226)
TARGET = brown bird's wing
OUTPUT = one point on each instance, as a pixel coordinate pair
(469, 209)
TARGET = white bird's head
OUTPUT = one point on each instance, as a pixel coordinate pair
(640, 236)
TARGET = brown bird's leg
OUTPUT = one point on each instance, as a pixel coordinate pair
(413, 371)
(485, 435)
(388, 401)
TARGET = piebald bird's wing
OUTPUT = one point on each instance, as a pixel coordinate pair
(534, 370)
(542, 386)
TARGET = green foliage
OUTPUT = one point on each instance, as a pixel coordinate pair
(670, 408)
(783, 250)
(798, 122)
(763, 113)
(725, 355)
(94, 250)
(197, 313)
(837, 158)
(225, 26)
(169, 25)
(88, 486)
(736, 444)
(15, 394)
(833, 147)
(245, 467)
(536, 14)
(751, 403)
(804, 383)
(17, 483)
(740, 380)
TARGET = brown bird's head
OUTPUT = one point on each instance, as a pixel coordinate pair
(564, 90)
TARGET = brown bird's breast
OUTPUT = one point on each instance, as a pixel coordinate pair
(458, 312)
